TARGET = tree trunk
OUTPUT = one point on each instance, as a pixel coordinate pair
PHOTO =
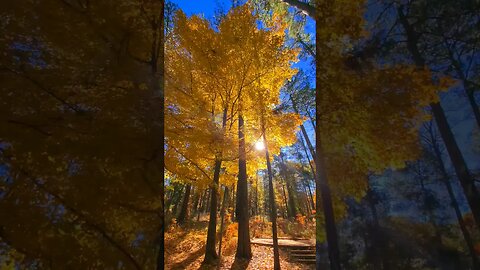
(454, 203)
(176, 200)
(222, 218)
(202, 204)
(291, 201)
(304, 132)
(322, 189)
(234, 203)
(473, 103)
(244, 250)
(459, 164)
(256, 195)
(291, 207)
(273, 208)
(285, 213)
(307, 200)
(210, 252)
(306, 182)
(376, 235)
(183, 215)
(196, 201)
(429, 212)
(157, 130)
(209, 199)
(311, 196)
(456, 157)
(469, 90)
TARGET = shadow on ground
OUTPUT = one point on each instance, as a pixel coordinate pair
(240, 264)
(189, 260)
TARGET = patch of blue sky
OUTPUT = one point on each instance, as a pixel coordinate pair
(207, 8)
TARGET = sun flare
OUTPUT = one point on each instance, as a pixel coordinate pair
(259, 145)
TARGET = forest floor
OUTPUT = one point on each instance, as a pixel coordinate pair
(185, 249)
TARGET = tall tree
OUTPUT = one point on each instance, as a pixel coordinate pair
(456, 157)
(64, 114)
(221, 70)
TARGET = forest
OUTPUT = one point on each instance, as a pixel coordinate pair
(240, 134)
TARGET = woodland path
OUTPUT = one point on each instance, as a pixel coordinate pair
(284, 242)
(299, 250)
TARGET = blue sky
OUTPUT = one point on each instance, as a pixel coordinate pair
(207, 9)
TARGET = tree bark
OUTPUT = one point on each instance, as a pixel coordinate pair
(376, 235)
(201, 204)
(234, 203)
(183, 215)
(196, 201)
(176, 200)
(210, 252)
(307, 184)
(292, 202)
(304, 132)
(158, 131)
(222, 218)
(256, 195)
(322, 188)
(273, 208)
(456, 157)
(285, 201)
(473, 103)
(454, 202)
(291, 207)
(244, 250)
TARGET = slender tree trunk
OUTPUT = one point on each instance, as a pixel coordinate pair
(473, 103)
(256, 195)
(176, 200)
(273, 208)
(196, 201)
(306, 184)
(222, 218)
(454, 203)
(202, 204)
(469, 91)
(210, 252)
(459, 164)
(429, 212)
(307, 200)
(322, 188)
(234, 203)
(266, 197)
(456, 157)
(183, 215)
(308, 157)
(311, 196)
(169, 196)
(377, 237)
(291, 207)
(304, 132)
(244, 250)
(209, 201)
(177, 189)
(291, 200)
(285, 201)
